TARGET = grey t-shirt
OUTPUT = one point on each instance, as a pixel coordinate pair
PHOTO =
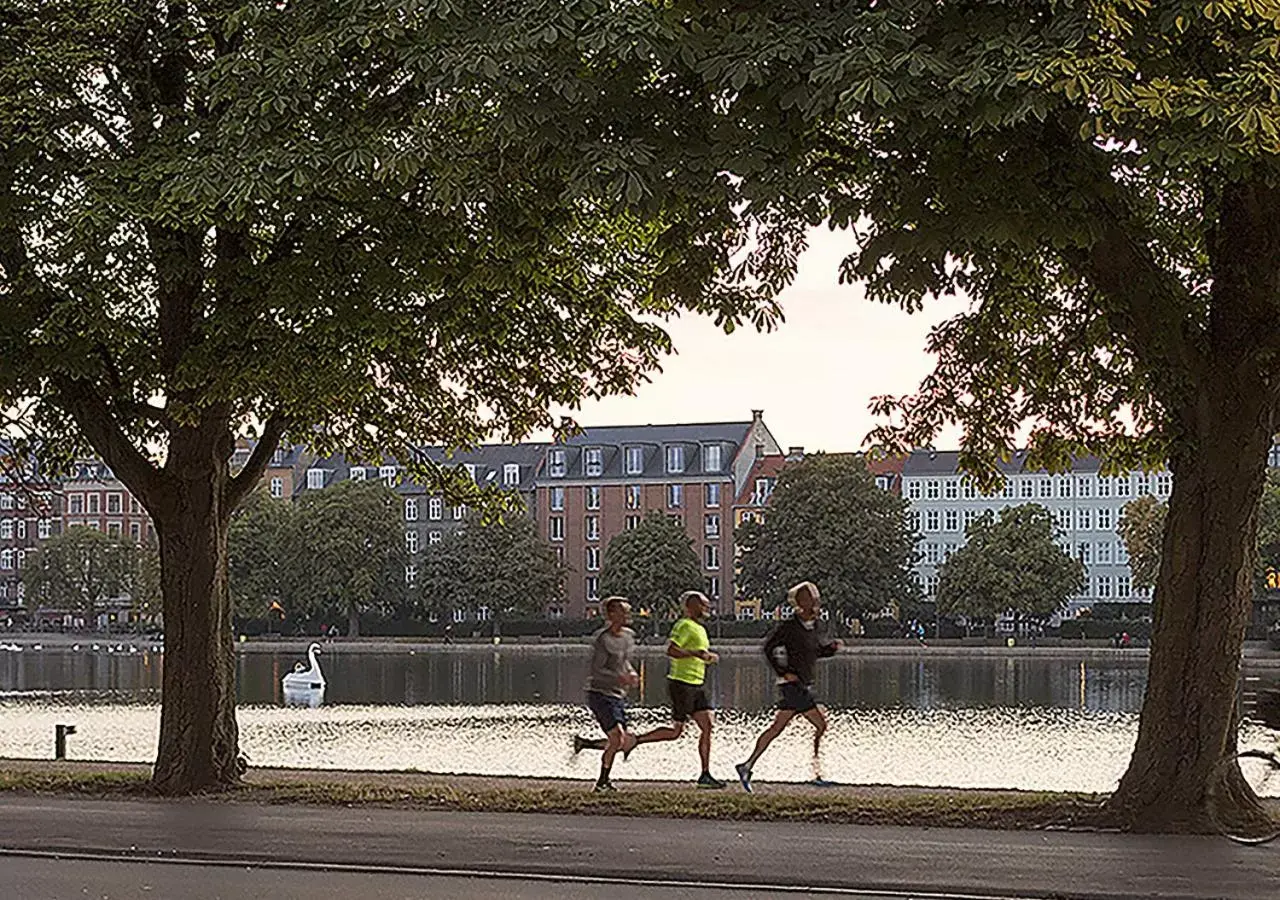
(611, 661)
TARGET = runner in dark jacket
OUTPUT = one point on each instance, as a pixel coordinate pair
(792, 648)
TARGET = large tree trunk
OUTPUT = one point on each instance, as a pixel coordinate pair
(1201, 609)
(198, 733)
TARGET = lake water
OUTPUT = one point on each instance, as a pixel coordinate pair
(927, 719)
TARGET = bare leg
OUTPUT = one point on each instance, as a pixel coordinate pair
(581, 743)
(780, 720)
(611, 748)
(818, 716)
(665, 733)
(704, 719)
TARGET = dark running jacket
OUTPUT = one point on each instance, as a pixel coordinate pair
(792, 649)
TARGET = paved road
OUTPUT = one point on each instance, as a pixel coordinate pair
(405, 843)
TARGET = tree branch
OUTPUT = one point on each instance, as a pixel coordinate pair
(239, 486)
(90, 411)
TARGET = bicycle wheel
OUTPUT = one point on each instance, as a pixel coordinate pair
(1261, 771)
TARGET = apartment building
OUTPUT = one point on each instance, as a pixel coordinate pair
(1085, 504)
(94, 498)
(29, 513)
(603, 481)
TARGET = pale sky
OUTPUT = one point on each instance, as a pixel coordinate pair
(813, 376)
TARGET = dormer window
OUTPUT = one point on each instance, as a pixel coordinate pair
(387, 474)
(675, 460)
(635, 460)
(711, 458)
(471, 470)
(593, 461)
(357, 473)
(555, 463)
(511, 474)
(277, 457)
(315, 479)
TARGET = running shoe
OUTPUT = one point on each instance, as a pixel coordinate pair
(579, 744)
(822, 783)
(605, 787)
(744, 775)
(710, 782)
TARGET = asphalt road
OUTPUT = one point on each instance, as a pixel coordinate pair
(390, 848)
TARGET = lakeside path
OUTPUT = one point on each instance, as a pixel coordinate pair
(377, 838)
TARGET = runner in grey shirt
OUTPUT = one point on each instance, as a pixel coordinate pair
(611, 675)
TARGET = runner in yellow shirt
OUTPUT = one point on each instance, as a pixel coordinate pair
(690, 653)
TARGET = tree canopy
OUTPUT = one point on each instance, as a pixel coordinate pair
(82, 568)
(504, 566)
(263, 556)
(1141, 527)
(827, 522)
(652, 565)
(1009, 564)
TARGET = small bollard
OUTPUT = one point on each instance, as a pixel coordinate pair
(60, 733)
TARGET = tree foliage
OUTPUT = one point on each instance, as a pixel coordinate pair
(1011, 564)
(504, 566)
(265, 557)
(82, 568)
(828, 523)
(652, 565)
(1141, 527)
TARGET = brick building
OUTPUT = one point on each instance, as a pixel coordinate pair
(603, 481)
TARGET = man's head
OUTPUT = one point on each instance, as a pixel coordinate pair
(617, 611)
(806, 600)
(695, 604)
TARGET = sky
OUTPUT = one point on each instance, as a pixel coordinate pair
(813, 376)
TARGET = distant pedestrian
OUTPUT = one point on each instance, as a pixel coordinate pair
(690, 653)
(448, 634)
(792, 648)
(612, 648)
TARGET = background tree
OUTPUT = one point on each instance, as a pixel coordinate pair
(1011, 564)
(828, 523)
(1141, 527)
(81, 569)
(368, 226)
(351, 553)
(504, 566)
(1101, 183)
(263, 550)
(652, 565)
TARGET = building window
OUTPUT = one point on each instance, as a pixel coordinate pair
(952, 518)
(1063, 518)
(1124, 586)
(555, 463)
(388, 475)
(969, 490)
(675, 495)
(1026, 488)
(6, 501)
(434, 537)
(592, 493)
(277, 488)
(435, 509)
(635, 460)
(1084, 519)
(1122, 486)
(459, 512)
(711, 556)
(591, 526)
(135, 532)
(761, 492)
(94, 504)
(559, 553)
(713, 496)
(459, 615)
(713, 587)
(1007, 490)
(411, 541)
(931, 586)
(970, 516)
(555, 528)
(1104, 586)
(913, 490)
(75, 504)
(6, 559)
(931, 520)
(711, 525)
(633, 496)
(632, 522)
(315, 479)
(114, 505)
(675, 460)
(932, 553)
(410, 575)
(1064, 486)
(1084, 486)
(44, 528)
(356, 473)
(6, 529)
(1164, 484)
(1106, 519)
(1085, 552)
(931, 489)
(114, 528)
(1104, 487)
(711, 458)
(1104, 553)
(511, 474)
(1046, 487)
(1122, 553)
(593, 559)
(593, 587)
(557, 498)
(593, 462)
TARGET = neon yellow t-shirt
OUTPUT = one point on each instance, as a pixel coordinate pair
(689, 635)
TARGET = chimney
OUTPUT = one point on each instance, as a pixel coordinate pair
(795, 454)
(757, 416)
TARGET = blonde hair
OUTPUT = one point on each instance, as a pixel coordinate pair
(808, 588)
